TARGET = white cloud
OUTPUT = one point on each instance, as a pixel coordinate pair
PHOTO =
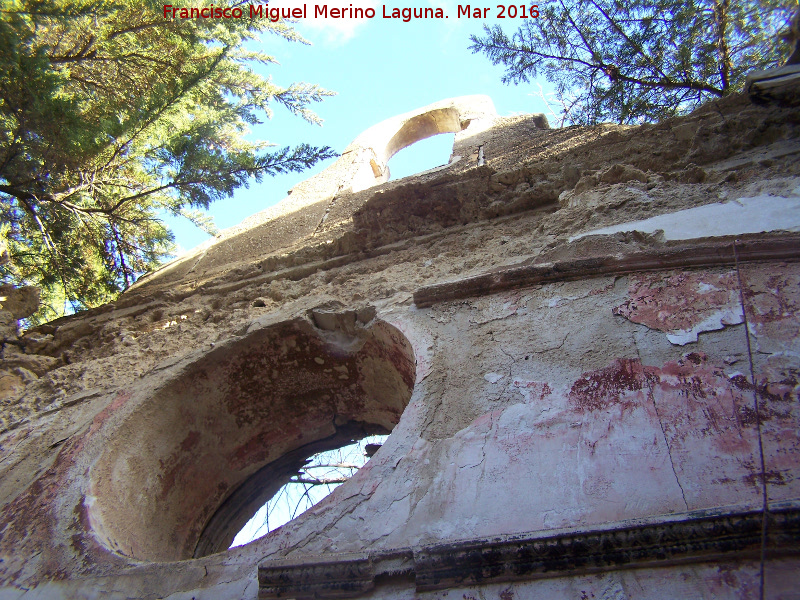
(332, 30)
(449, 7)
(445, 5)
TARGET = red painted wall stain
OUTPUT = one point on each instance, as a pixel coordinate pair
(673, 302)
(27, 521)
(596, 390)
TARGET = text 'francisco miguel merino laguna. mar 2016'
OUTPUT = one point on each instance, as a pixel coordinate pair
(323, 11)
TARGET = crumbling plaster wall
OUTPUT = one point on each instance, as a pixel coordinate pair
(559, 387)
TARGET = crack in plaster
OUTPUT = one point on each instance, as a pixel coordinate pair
(506, 392)
(486, 438)
(390, 507)
(312, 535)
(13, 451)
(498, 308)
(197, 262)
(247, 587)
(504, 352)
(414, 503)
(356, 500)
(754, 381)
(669, 449)
(652, 398)
(561, 345)
(509, 356)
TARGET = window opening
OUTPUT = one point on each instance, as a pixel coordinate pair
(197, 457)
(322, 473)
(421, 156)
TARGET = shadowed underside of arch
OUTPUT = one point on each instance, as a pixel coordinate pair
(191, 465)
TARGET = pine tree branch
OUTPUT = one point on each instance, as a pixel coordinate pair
(89, 155)
(672, 85)
(120, 255)
(575, 26)
(136, 28)
(633, 44)
(320, 481)
(78, 55)
(518, 49)
(332, 466)
(160, 112)
(302, 157)
(721, 18)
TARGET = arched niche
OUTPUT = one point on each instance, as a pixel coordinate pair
(190, 465)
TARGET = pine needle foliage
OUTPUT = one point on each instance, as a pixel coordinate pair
(111, 113)
(633, 61)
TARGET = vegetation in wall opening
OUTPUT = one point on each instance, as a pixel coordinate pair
(322, 473)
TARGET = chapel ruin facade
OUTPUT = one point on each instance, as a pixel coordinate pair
(585, 343)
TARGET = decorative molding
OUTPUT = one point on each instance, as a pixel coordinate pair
(698, 536)
(684, 254)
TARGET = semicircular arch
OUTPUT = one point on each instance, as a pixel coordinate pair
(190, 465)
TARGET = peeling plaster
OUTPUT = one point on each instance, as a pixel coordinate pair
(535, 408)
(683, 305)
(743, 215)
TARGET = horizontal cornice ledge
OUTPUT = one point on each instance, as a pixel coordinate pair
(685, 254)
(697, 536)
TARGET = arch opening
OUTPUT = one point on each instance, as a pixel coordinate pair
(308, 486)
(382, 148)
(443, 120)
(424, 155)
(187, 469)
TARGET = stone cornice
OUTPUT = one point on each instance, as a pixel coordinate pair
(698, 536)
(684, 254)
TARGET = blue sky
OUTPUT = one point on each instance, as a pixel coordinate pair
(379, 68)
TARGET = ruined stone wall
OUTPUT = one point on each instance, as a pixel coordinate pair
(584, 342)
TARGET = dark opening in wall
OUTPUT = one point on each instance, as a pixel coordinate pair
(191, 464)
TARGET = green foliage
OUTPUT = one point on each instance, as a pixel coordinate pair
(110, 113)
(638, 60)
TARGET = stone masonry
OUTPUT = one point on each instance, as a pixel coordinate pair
(584, 341)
